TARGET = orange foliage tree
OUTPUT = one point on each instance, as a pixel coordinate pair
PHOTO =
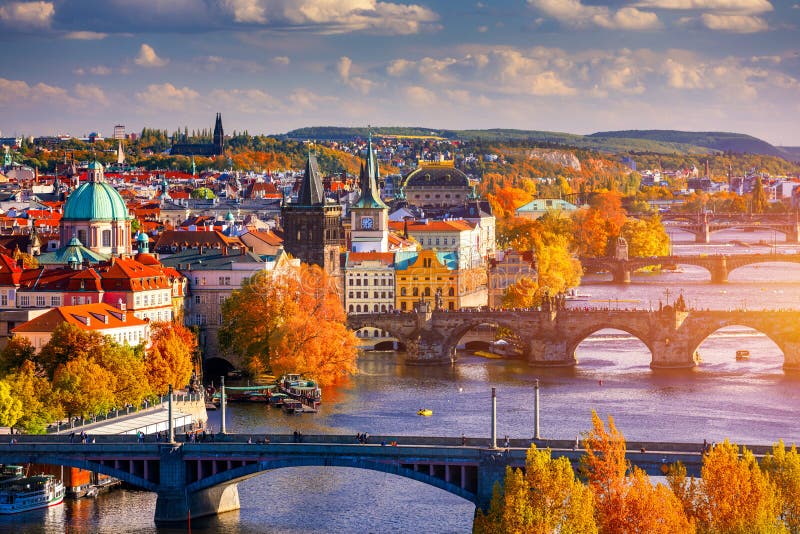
(598, 224)
(290, 321)
(170, 358)
(627, 502)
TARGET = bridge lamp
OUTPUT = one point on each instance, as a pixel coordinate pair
(666, 341)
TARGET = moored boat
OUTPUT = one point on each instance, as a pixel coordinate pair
(30, 493)
(742, 355)
(300, 388)
(573, 295)
(292, 406)
(11, 472)
(426, 412)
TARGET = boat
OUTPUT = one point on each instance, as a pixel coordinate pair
(298, 387)
(30, 493)
(425, 412)
(247, 393)
(292, 406)
(674, 269)
(574, 295)
(742, 355)
(277, 399)
(11, 472)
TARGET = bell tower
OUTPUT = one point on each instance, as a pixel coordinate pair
(369, 217)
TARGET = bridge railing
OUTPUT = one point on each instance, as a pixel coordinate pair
(159, 403)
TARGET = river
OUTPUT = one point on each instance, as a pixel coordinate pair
(749, 402)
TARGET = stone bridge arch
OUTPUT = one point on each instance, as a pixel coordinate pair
(366, 321)
(577, 336)
(464, 486)
(774, 333)
(735, 262)
(459, 331)
(148, 476)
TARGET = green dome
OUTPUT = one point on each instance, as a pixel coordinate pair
(95, 201)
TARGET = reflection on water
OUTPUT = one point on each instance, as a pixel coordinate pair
(749, 402)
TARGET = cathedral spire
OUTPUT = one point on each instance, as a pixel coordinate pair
(311, 190)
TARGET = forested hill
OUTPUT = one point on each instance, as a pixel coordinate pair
(652, 141)
(722, 141)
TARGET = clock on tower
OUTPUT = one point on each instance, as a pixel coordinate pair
(366, 223)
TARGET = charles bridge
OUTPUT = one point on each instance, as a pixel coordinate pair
(200, 478)
(719, 265)
(702, 225)
(550, 337)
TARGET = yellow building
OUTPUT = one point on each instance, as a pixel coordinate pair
(435, 278)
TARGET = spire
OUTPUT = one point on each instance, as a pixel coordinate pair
(368, 181)
(311, 191)
(219, 136)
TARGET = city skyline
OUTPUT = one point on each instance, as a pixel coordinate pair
(273, 65)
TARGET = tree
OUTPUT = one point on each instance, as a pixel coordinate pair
(10, 406)
(734, 495)
(547, 498)
(35, 394)
(18, 350)
(524, 293)
(68, 342)
(128, 367)
(84, 387)
(758, 197)
(783, 468)
(646, 237)
(170, 358)
(627, 503)
(290, 321)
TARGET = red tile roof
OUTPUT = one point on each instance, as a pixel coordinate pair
(87, 317)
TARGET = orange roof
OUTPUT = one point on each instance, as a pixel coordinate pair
(383, 257)
(455, 225)
(87, 317)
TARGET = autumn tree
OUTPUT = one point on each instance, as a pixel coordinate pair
(290, 321)
(626, 500)
(10, 405)
(546, 498)
(758, 198)
(783, 468)
(524, 293)
(646, 236)
(66, 343)
(598, 224)
(733, 495)
(18, 350)
(128, 367)
(170, 357)
(84, 387)
(35, 394)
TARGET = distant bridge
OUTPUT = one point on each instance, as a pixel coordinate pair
(719, 265)
(704, 224)
(199, 479)
(550, 337)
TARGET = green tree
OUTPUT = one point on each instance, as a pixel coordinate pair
(758, 197)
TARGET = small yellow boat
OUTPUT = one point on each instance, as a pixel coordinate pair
(425, 412)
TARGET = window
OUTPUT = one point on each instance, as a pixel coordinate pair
(374, 294)
(350, 309)
(350, 295)
(106, 236)
(203, 281)
(350, 282)
(427, 292)
(221, 298)
(224, 280)
(452, 292)
(197, 299)
(415, 292)
(82, 237)
(55, 302)
(3, 299)
(403, 306)
(358, 281)
(25, 301)
(402, 292)
(375, 309)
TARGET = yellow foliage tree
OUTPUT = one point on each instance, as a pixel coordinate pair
(524, 293)
(10, 406)
(547, 498)
(84, 387)
(783, 468)
(170, 358)
(35, 394)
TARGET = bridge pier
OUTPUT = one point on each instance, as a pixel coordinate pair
(621, 274)
(429, 348)
(703, 235)
(793, 233)
(491, 470)
(550, 353)
(791, 356)
(672, 354)
(719, 270)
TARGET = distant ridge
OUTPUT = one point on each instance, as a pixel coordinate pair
(656, 141)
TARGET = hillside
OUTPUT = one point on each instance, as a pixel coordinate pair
(617, 142)
(722, 141)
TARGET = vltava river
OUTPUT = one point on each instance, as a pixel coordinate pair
(749, 402)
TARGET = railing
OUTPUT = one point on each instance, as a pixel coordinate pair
(146, 406)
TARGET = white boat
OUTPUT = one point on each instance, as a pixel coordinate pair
(30, 493)
(573, 295)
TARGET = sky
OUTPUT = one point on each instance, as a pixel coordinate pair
(269, 66)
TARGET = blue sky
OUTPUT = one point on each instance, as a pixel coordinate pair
(76, 66)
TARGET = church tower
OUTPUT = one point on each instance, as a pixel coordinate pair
(219, 136)
(312, 226)
(369, 217)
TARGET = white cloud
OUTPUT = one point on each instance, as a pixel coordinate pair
(246, 10)
(20, 92)
(724, 6)
(399, 67)
(86, 36)
(575, 13)
(27, 14)
(418, 96)
(148, 58)
(360, 84)
(302, 100)
(334, 16)
(281, 60)
(549, 84)
(250, 101)
(734, 23)
(166, 96)
(91, 94)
